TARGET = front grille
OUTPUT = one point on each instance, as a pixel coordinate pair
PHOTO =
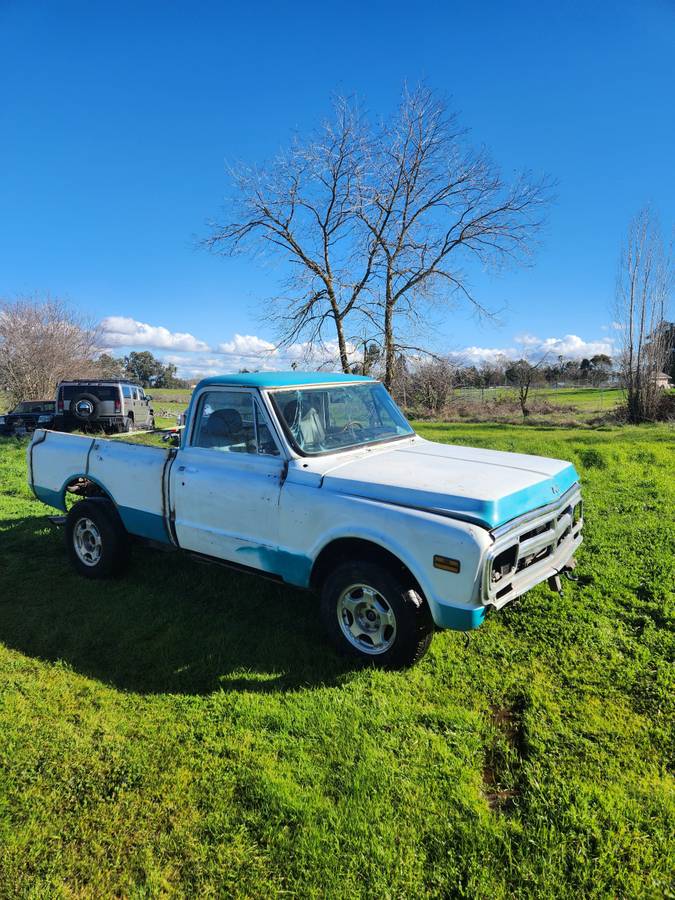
(528, 549)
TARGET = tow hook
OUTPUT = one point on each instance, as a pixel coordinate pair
(567, 570)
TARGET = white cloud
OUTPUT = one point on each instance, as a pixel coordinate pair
(476, 355)
(570, 346)
(247, 345)
(123, 331)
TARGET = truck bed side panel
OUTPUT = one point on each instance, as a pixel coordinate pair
(53, 458)
(133, 476)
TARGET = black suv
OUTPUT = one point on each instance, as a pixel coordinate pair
(109, 405)
(27, 416)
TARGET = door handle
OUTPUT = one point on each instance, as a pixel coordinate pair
(187, 469)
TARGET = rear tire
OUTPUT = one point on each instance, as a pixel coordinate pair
(96, 540)
(373, 615)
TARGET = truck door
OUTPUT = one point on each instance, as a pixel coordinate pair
(226, 479)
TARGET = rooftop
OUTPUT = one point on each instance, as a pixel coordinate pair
(280, 379)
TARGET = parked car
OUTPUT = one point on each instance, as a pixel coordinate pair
(111, 406)
(26, 416)
(319, 481)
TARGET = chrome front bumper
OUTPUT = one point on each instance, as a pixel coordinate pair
(531, 549)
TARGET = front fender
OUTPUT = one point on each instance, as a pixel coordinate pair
(316, 518)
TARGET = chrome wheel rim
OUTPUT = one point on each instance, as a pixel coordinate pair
(87, 542)
(366, 619)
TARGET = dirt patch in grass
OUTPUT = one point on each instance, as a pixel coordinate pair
(504, 756)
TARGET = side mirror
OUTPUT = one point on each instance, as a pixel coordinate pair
(148, 397)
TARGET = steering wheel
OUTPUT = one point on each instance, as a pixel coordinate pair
(351, 425)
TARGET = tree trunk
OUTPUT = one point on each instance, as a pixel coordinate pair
(342, 344)
(389, 349)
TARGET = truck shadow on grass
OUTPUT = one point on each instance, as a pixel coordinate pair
(169, 625)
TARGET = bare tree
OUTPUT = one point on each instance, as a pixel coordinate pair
(642, 292)
(432, 205)
(434, 383)
(303, 206)
(523, 374)
(377, 226)
(41, 343)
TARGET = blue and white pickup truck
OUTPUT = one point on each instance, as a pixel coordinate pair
(319, 481)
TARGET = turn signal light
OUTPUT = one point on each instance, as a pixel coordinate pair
(447, 564)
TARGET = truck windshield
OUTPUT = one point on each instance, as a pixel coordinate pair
(325, 419)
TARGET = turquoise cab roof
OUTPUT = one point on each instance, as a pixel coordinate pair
(279, 379)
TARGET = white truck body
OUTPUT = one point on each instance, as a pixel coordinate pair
(280, 513)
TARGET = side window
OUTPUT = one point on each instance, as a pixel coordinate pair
(136, 394)
(267, 446)
(126, 390)
(225, 422)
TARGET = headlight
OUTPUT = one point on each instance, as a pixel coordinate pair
(43, 419)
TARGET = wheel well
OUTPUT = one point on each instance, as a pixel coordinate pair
(344, 549)
(82, 486)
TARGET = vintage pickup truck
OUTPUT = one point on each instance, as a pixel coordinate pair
(319, 481)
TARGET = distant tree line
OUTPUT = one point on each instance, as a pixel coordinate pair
(428, 382)
(141, 367)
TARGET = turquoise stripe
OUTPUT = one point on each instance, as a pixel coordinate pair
(51, 498)
(136, 521)
(531, 498)
(459, 618)
(144, 524)
(279, 379)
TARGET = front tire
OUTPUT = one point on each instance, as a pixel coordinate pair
(96, 540)
(373, 615)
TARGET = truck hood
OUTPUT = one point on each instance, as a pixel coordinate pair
(488, 487)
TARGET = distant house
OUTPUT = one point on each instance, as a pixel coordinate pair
(663, 381)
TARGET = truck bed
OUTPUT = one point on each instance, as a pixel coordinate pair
(137, 471)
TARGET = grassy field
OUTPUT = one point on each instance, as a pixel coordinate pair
(186, 731)
(582, 398)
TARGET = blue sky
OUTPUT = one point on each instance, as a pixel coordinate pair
(118, 119)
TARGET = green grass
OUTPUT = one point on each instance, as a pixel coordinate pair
(185, 731)
(582, 398)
